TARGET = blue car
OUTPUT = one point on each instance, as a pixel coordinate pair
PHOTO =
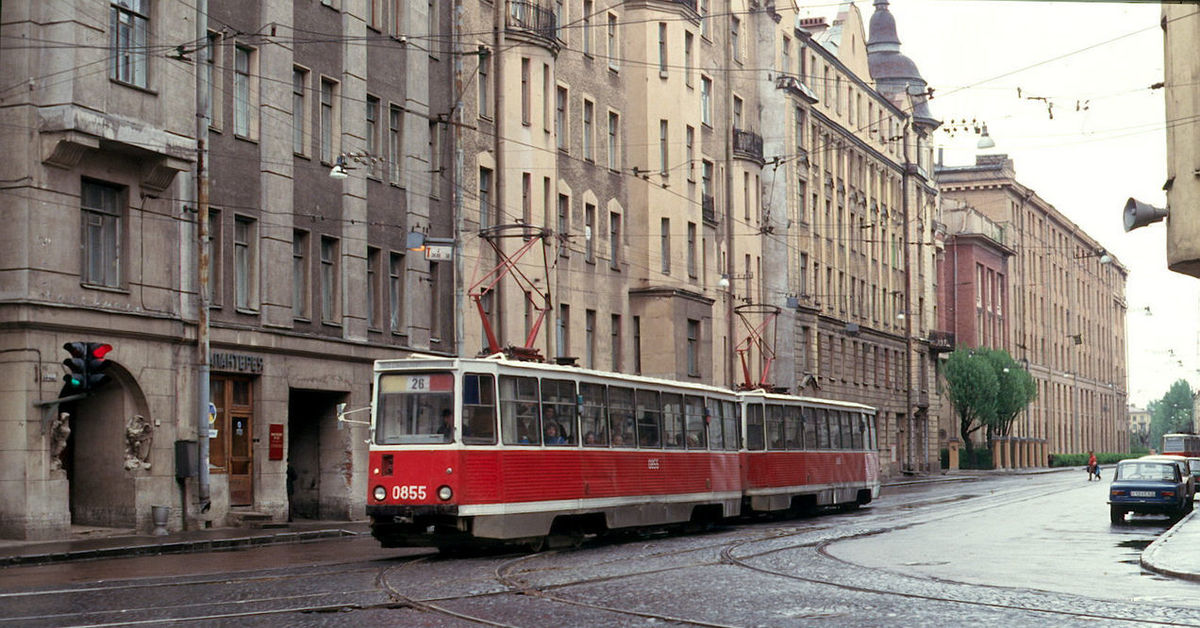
(1148, 487)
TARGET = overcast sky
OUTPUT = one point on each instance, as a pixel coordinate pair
(1095, 62)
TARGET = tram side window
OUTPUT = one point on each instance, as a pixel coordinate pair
(872, 432)
(714, 424)
(649, 419)
(860, 426)
(836, 421)
(620, 416)
(754, 427)
(809, 417)
(593, 416)
(822, 428)
(696, 434)
(479, 409)
(847, 430)
(793, 427)
(672, 416)
(520, 420)
(558, 412)
(731, 420)
(775, 427)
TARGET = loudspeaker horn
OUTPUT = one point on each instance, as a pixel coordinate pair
(1139, 214)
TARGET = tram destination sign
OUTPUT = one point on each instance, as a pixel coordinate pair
(237, 362)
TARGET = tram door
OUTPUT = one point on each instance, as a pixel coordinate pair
(230, 449)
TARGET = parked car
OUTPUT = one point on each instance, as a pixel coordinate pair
(1149, 486)
(1194, 466)
(1184, 468)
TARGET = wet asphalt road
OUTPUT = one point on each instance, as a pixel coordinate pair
(1014, 551)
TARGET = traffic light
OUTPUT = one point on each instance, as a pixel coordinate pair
(76, 375)
(85, 367)
(96, 365)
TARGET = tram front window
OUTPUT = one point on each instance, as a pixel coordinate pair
(412, 407)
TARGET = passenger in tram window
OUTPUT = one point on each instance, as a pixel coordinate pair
(589, 438)
(618, 440)
(552, 435)
(447, 427)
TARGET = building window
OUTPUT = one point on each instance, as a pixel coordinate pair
(435, 161)
(245, 92)
(589, 331)
(693, 347)
(375, 14)
(436, 314)
(485, 197)
(706, 100)
(664, 244)
(525, 90)
(396, 292)
(614, 51)
(212, 78)
(785, 55)
(702, 9)
(329, 279)
(547, 107)
(689, 143)
(735, 35)
(329, 108)
(706, 178)
(299, 117)
(588, 9)
(300, 283)
(102, 234)
(588, 113)
(564, 209)
(373, 135)
(662, 49)
(527, 198)
(395, 158)
(245, 262)
(564, 329)
(589, 232)
(802, 276)
(374, 288)
(688, 59)
(560, 118)
(614, 239)
(214, 257)
(637, 345)
(663, 148)
(130, 26)
(691, 249)
(614, 155)
(485, 87)
(615, 341)
(397, 20)
(798, 130)
(737, 112)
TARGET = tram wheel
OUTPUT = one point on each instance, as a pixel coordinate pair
(538, 544)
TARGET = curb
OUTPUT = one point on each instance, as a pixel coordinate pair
(173, 547)
(1149, 558)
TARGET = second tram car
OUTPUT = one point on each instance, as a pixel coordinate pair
(489, 449)
(1181, 445)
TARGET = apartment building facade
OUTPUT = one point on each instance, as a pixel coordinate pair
(310, 278)
(650, 190)
(1063, 306)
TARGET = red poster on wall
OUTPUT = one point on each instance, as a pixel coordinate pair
(276, 442)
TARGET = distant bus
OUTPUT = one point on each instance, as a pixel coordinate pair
(1181, 445)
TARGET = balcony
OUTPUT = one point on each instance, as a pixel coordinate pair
(531, 19)
(708, 208)
(941, 341)
(691, 4)
(748, 145)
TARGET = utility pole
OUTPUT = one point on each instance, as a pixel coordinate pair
(728, 144)
(202, 263)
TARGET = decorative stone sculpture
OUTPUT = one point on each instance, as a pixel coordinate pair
(139, 434)
(60, 431)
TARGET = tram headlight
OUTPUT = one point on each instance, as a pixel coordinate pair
(380, 493)
(444, 493)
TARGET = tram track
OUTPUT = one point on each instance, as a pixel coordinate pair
(384, 588)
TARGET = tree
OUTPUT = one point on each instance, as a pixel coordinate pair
(1016, 390)
(972, 387)
(1172, 413)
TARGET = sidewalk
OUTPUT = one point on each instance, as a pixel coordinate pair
(94, 543)
(1176, 552)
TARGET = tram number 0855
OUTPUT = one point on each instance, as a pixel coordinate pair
(405, 491)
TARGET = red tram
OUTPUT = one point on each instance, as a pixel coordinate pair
(1187, 445)
(490, 449)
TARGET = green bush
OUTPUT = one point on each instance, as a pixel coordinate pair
(977, 458)
(1080, 460)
